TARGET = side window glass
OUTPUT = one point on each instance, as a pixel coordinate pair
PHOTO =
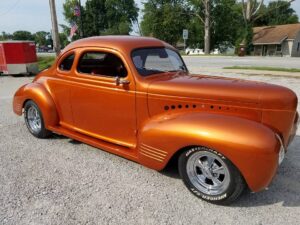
(101, 64)
(67, 63)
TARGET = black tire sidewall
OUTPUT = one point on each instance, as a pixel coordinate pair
(182, 163)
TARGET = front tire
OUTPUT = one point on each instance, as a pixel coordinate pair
(34, 120)
(210, 176)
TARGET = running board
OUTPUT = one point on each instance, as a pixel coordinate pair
(127, 153)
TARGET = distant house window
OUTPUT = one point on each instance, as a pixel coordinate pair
(298, 47)
(278, 48)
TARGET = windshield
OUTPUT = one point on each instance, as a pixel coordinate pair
(150, 61)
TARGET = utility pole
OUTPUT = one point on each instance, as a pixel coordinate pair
(81, 21)
(55, 34)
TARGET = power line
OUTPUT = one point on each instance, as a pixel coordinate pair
(11, 8)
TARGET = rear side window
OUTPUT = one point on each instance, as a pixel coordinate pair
(101, 64)
(94, 56)
(67, 63)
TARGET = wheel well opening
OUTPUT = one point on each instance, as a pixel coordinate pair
(171, 168)
(24, 103)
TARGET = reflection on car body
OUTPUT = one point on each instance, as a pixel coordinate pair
(134, 97)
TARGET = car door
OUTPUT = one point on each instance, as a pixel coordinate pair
(103, 108)
(60, 87)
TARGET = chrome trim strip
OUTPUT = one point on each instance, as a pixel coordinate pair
(155, 149)
(159, 160)
(152, 151)
(153, 155)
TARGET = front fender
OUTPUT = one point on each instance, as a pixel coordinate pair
(249, 145)
(37, 93)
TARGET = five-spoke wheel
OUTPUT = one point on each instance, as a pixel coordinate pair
(34, 120)
(208, 173)
(210, 176)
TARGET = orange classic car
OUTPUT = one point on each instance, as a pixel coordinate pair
(134, 97)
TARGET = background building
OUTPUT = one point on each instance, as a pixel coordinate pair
(281, 40)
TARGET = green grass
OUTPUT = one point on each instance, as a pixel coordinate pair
(45, 62)
(290, 70)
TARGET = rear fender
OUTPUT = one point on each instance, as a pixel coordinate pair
(250, 146)
(37, 93)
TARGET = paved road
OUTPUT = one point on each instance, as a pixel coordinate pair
(224, 61)
(60, 181)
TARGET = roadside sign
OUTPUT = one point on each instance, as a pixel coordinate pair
(185, 34)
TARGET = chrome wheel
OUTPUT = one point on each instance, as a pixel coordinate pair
(34, 119)
(208, 173)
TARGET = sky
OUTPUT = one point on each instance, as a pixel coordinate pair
(34, 15)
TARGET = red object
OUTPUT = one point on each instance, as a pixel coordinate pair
(18, 57)
(74, 28)
(242, 50)
(77, 11)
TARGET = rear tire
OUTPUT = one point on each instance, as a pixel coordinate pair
(34, 120)
(210, 176)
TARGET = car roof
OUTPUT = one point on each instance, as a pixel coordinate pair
(122, 43)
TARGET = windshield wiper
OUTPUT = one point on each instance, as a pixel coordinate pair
(181, 68)
(154, 70)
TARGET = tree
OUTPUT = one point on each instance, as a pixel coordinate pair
(227, 23)
(41, 38)
(95, 19)
(68, 12)
(103, 17)
(23, 36)
(202, 10)
(196, 33)
(63, 39)
(120, 16)
(164, 19)
(5, 36)
(276, 13)
(249, 10)
(207, 7)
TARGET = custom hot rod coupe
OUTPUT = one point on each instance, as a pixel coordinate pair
(134, 97)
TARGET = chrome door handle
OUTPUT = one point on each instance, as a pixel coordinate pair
(122, 81)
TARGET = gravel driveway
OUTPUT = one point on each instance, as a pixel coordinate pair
(60, 181)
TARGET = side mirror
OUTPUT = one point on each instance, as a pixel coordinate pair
(121, 81)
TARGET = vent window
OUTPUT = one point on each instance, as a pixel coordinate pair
(67, 63)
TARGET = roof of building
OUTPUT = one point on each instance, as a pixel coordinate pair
(275, 34)
(123, 43)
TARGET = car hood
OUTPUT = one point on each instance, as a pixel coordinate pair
(223, 90)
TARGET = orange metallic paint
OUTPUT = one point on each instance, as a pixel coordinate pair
(39, 94)
(152, 118)
(251, 146)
